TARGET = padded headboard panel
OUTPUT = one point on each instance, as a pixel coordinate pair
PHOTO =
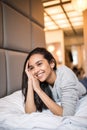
(11, 68)
(15, 62)
(3, 86)
(21, 30)
(16, 28)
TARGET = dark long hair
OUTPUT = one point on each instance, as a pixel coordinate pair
(44, 85)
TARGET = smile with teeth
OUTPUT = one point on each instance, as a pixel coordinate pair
(39, 75)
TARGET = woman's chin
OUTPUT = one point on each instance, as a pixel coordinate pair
(41, 80)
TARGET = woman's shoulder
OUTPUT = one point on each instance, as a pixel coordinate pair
(64, 71)
(63, 68)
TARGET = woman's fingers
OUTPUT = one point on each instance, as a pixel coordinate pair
(27, 66)
(27, 69)
(35, 81)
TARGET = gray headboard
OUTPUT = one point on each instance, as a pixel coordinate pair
(21, 29)
(11, 67)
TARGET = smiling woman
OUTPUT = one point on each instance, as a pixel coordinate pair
(43, 85)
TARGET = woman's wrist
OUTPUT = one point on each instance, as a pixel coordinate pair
(38, 91)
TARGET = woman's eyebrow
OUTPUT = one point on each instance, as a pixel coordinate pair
(35, 63)
(39, 61)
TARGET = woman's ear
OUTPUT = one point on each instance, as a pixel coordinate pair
(52, 64)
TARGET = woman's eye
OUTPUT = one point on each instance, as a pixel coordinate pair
(30, 68)
(39, 64)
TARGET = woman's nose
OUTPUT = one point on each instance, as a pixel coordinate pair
(36, 69)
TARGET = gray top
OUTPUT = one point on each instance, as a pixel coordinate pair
(67, 89)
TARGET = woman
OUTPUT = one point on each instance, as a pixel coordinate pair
(44, 85)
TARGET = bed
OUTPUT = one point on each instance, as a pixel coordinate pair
(13, 116)
(14, 47)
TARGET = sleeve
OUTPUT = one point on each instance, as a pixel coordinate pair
(69, 92)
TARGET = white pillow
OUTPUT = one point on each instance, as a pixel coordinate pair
(82, 107)
(13, 103)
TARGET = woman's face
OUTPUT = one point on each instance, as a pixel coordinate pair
(40, 68)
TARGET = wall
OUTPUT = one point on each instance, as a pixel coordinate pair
(85, 39)
(75, 42)
(56, 36)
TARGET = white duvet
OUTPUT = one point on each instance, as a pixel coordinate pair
(13, 116)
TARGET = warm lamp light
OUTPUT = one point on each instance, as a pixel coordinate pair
(51, 48)
(79, 5)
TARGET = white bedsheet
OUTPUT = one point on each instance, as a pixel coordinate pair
(13, 116)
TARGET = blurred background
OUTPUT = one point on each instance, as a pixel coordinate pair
(58, 25)
(65, 31)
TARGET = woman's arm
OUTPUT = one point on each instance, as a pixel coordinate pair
(52, 106)
(30, 104)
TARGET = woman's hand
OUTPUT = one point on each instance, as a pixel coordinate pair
(27, 70)
(36, 84)
(32, 79)
(29, 75)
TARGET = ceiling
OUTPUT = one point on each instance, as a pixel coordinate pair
(60, 14)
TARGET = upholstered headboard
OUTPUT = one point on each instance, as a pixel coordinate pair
(21, 29)
(11, 67)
